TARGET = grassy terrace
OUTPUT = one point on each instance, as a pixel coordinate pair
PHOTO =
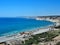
(43, 37)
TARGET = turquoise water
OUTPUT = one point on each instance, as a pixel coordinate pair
(14, 25)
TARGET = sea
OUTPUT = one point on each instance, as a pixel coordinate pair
(9, 26)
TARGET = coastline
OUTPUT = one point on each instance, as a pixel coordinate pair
(15, 36)
(18, 35)
(34, 32)
(56, 21)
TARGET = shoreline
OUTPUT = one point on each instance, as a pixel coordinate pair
(56, 21)
(18, 35)
(34, 32)
(15, 32)
(31, 30)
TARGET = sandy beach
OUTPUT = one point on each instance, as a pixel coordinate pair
(37, 31)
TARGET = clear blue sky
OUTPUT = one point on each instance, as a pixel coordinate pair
(15, 8)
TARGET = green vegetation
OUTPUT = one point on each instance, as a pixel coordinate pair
(43, 37)
(47, 36)
(58, 43)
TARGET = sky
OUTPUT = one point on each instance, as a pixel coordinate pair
(16, 8)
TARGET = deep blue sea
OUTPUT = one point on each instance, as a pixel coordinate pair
(13, 25)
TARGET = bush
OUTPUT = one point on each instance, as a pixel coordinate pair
(58, 43)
